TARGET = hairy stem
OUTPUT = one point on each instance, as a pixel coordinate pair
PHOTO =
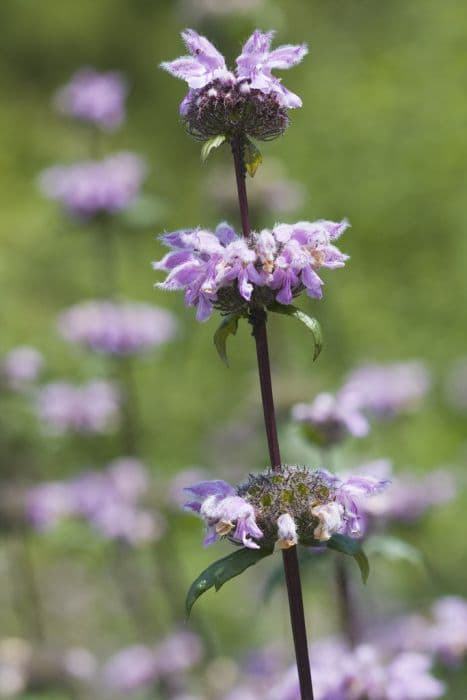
(290, 559)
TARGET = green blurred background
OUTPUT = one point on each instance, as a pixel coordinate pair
(381, 139)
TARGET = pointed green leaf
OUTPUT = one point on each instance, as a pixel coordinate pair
(311, 323)
(222, 571)
(394, 549)
(208, 146)
(228, 326)
(353, 548)
(253, 157)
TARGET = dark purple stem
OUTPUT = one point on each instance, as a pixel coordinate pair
(290, 559)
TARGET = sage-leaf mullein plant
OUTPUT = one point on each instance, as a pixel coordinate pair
(247, 276)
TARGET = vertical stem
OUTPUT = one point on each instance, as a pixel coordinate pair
(237, 146)
(289, 556)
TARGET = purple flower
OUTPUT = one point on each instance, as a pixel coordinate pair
(406, 676)
(410, 496)
(47, 504)
(204, 64)
(254, 65)
(94, 97)
(280, 509)
(108, 500)
(179, 652)
(131, 668)
(448, 634)
(329, 419)
(223, 270)
(364, 673)
(351, 494)
(117, 328)
(21, 367)
(141, 666)
(90, 408)
(94, 187)
(253, 101)
(387, 390)
(256, 62)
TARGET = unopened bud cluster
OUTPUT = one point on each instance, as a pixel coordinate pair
(232, 109)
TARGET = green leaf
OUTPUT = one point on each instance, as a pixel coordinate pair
(311, 323)
(215, 142)
(253, 157)
(353, 548)
(394, 549)
(222, 571)
(228, 326)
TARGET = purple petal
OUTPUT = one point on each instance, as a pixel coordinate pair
(205, 308)
(205, 52)
(215, 487)
(186, 68)
(258, 42)
(287, 56)
(225, 233)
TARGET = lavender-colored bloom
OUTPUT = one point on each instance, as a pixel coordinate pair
(94, 97)
(405, 677)
(329, 419)
(108, 500)
(387, 390)
(256, 62)
(141, 666)
(442, 634)
(94, 187)
(351, 494)
(179, 652)
(47, 504)
(254, 65)
(117, 328)
(252, 101)
(89, 408)
(448, 633)
(21, 367)
(363, 673)
(410, 496)
(227, 271)
(131, 669)
(261, 512)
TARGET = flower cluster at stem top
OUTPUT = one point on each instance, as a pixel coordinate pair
(282, 508)
(223, 270)
(251, 101)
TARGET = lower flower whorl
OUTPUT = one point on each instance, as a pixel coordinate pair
(294, 505)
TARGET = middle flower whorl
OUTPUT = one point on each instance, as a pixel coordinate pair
(235, 274)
